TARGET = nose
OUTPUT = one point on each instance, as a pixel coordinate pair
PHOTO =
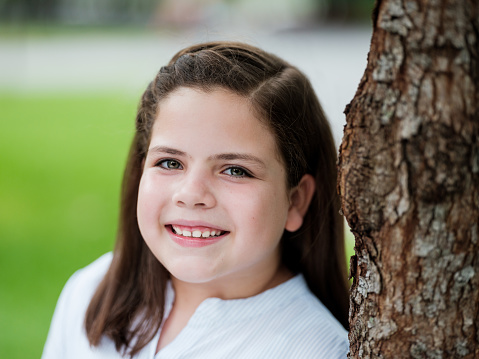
(194, 191)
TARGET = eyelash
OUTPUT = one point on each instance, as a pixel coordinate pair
(164, 164)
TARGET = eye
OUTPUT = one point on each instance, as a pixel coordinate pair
(170, 164)
(237, 172)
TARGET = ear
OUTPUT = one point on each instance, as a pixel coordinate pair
(300, 198)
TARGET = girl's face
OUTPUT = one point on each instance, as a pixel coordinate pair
(213, 201)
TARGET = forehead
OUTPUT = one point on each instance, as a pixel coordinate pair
(192, 103)
(219, 116)
(214, 100)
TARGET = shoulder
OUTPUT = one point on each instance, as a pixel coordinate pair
(309, 327)
(81, 286)
(88, 278)
(67, 335)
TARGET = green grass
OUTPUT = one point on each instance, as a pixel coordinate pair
(61, 163)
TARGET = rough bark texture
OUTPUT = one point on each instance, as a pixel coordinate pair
(409, 182)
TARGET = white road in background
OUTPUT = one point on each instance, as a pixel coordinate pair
(333, 58)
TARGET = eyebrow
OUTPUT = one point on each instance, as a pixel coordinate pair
(221, 156)
(238, 156)
(165, 149)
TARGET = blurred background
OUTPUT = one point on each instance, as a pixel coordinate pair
(71, 75)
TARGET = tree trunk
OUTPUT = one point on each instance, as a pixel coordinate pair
(409, 183)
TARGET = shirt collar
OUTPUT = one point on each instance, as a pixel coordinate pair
(216, 310)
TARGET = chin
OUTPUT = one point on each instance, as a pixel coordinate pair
(192, 272)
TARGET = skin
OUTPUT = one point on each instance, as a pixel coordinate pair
(212, 165)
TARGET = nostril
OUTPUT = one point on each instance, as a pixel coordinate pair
(180, 203)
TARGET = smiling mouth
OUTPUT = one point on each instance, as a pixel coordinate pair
(196, 232)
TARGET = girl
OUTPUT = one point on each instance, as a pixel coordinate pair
(230, 242)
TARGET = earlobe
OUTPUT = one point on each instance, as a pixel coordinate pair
(300, 199)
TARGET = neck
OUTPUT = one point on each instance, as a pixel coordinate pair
(190, 295)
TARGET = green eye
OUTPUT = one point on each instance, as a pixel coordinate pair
(237, 172)
(170, 164)
(173, 165)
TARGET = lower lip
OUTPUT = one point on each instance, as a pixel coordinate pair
(193, 242)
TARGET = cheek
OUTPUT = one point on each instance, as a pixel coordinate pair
(265, 213)
(146, 206)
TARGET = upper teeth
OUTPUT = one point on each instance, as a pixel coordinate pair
(196, 233)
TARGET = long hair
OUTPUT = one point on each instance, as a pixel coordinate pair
(129, 303)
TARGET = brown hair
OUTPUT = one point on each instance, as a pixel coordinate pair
(129, 303)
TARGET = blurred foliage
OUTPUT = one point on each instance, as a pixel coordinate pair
(85, 12)
(124, 12)
(16, 10)
(345, 10)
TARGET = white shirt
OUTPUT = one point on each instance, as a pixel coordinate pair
(287, 321)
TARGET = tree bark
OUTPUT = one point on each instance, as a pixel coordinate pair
(409, 183)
